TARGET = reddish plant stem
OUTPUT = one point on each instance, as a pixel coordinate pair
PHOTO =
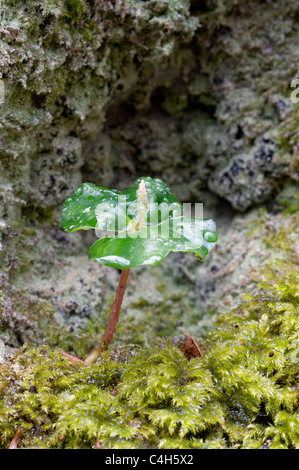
(72, 358)
(114, 316)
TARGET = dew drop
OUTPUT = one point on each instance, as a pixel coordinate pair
(119, 260)
(210, 237)
(79, 191)
(152, 260)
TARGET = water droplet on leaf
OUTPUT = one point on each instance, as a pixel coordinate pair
(210, 237)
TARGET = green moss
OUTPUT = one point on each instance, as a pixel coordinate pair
(241, 393)
(288, 199)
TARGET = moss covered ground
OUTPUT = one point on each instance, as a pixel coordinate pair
(243, 392)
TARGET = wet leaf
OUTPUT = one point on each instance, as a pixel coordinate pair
(94, 207)
(146, 223)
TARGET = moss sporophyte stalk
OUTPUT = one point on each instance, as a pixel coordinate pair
(142, 225)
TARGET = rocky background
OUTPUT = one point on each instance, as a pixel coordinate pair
(195, 93)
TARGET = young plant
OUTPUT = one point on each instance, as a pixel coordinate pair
(142, 225)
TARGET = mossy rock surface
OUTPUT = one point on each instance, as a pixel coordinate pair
(195, 93)
(241, 394)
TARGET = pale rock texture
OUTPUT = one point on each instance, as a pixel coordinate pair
(196, 93)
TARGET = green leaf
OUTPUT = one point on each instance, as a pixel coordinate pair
(197, 236)
(148, 221)
(93, 207)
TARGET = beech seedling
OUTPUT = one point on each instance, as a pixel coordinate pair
(141, 226)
